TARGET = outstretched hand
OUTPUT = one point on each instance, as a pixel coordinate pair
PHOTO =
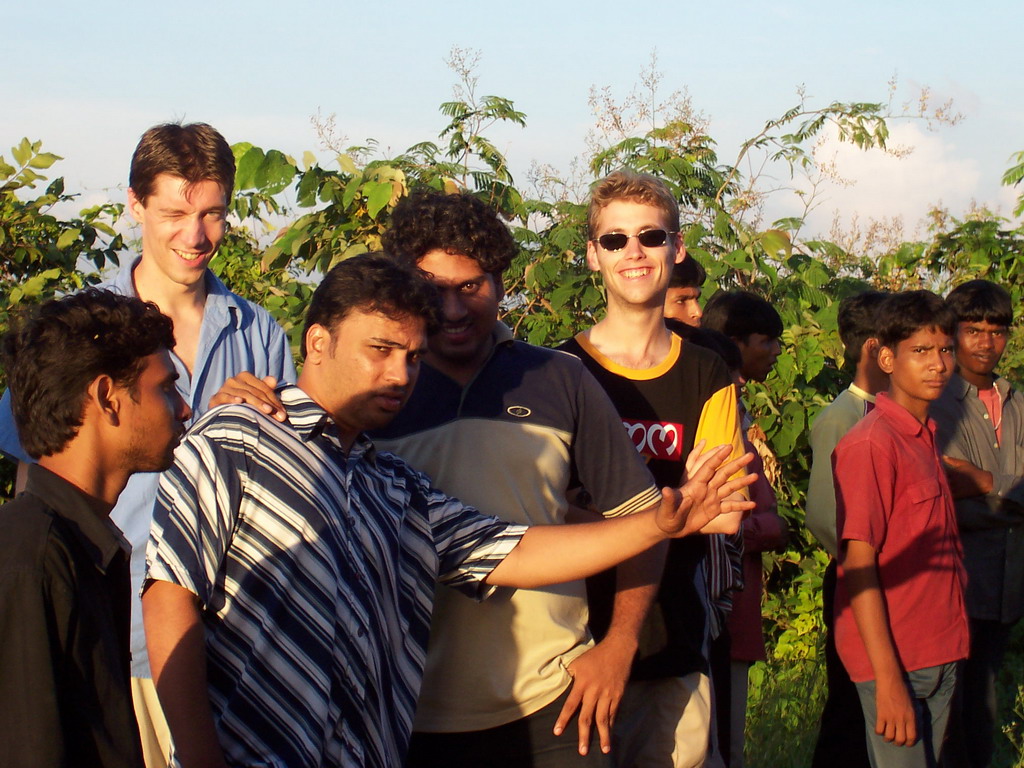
(707, 493)
(257, 393)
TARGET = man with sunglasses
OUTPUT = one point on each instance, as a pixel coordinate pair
(670, 395)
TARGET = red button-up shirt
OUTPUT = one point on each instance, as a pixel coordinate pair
(892, 493)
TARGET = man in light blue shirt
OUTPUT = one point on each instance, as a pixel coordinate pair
(181, 180)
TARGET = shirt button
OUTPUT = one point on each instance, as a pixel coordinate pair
(985, 416)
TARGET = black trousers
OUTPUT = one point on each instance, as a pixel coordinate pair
(841, 742)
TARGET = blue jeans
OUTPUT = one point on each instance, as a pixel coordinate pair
(931, 691)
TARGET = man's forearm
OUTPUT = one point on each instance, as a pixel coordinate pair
(637, 581)
(553, 554)
(177, 656)
(860, 572)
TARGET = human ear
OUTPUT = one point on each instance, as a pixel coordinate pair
(318, 340)
(886, 359)
(677, 241)
(592, 261)
(106, 398)
(135, 206)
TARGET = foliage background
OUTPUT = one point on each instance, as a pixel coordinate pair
(292, 220)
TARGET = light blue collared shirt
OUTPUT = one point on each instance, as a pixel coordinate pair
(236, 335)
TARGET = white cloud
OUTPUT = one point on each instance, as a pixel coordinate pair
(884, 186)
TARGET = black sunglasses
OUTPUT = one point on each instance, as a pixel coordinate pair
(649, 238)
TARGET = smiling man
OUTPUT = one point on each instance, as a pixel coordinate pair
(293, 566)
(181, 180)
(980, 421)
(509, 427)
(93, 395)
(669, 394)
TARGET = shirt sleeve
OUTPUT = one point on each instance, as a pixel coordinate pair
(279, 355)
(469, 544)
(958, 435)
(197, 508)
(10, 443)
(607, 463)
(865, 486)
(719, 424)
(820, 516)
(34, 613)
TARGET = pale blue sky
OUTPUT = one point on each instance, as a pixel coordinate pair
(90, 77)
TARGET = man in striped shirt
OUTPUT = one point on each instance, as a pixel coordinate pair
(292, 567)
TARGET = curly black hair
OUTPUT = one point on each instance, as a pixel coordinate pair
(53, 356)
(428, 220)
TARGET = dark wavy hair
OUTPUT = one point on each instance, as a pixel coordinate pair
(428, 220)
(688, 273)
(54, 354)
(738, 314)
(858, 316)
(981, 301)
(372, 282)
(194, 152)
(903, 314)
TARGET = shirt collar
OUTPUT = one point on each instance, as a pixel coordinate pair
(900, 417)
(222, 306)
(310, 421)
(502, 334)
(863, 394)
(961, 388)
(102, 539)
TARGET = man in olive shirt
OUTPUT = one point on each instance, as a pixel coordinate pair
(93, 396)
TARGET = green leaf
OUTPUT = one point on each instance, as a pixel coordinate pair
(378, 197)
(22, 153)
(248, 165)
(347, 164)
(44, 160)
(68, 236)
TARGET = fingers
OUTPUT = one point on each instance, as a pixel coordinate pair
(572, 703)
(604, 716)
(256, 393)
(695, 454)
(704, 466)
(731, 485)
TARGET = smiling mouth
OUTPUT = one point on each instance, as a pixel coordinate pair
(190, 256)
(635, 272)
(453, 329)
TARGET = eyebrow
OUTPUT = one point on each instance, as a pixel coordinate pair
(438, 282)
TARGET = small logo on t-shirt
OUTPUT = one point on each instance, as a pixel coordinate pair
(656, 439)
(519, 411)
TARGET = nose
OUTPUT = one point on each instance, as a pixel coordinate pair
(452, 305)
(696, 312)
(184, 412)
(401, 369)
(986, 340)
(193, 232)
(776, 347)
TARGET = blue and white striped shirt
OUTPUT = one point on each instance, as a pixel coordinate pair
(315, 571)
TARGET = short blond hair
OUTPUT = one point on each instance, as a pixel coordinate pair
(627, 184)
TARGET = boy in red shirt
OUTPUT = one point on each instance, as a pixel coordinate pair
(901, 627)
